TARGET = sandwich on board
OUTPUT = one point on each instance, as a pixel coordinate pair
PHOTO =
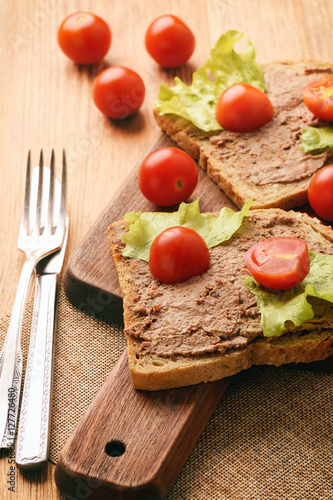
(210, 326)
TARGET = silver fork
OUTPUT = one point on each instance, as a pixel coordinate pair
(36, 243)
(33, 435)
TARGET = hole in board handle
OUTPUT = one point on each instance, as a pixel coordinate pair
(115, 448)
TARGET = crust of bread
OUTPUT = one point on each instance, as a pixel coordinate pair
(197, 144)
(152, 372)
(158, 373)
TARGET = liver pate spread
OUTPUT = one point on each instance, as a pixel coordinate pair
(272, 154)
(213, 312)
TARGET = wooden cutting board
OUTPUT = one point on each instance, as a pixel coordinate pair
(129, 444)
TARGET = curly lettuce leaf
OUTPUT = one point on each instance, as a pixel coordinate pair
(276, 308)
(317, 140)
(224, 68)
(147, 225)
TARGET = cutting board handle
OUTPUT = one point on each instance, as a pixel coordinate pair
(132, 444)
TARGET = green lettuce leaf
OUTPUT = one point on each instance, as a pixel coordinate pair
(224, 68)
(317, 139)
(276, 308)
(147, 225)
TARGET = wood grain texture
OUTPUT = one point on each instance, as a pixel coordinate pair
(46, 102)
(158, 431)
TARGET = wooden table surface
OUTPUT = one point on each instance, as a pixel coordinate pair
(45, 102)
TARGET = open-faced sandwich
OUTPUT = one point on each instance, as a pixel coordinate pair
(273, 164)
(221, 321)
(208, 295)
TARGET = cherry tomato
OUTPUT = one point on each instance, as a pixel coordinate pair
(320, 192)
(318, 97)
(243, 108)
(167, 176)
(84, 37)
(177, 254)
(118, 92)
(169, 41)
(279, 263)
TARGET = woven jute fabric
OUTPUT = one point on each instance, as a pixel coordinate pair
(270, 437)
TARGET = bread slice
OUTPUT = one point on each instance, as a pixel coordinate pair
(209, 327)
(268, 165)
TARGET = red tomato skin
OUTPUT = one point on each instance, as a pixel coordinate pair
(167, 176)
(243, 108)
(177, 254)
(279, 263)
(169, 41)
(318, 98)
(320, 193)
(84, 37)
(118, 92)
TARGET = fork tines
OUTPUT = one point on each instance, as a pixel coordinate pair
(34, 220)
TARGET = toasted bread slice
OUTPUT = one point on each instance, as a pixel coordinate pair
(209, 327)
(267, 166)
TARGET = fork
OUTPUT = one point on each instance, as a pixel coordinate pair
(36, 242)
(33, 435)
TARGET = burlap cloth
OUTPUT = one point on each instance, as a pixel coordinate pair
(270, 437)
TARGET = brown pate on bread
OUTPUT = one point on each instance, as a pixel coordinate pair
(268, 165)
(209, 327)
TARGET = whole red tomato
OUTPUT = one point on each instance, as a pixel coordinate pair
(118, 92)
(84, 37)
(177, 254)
(243, 108)
(320, 193)
(169, 41)
(167, 176)
(318, 97)
(279, 263)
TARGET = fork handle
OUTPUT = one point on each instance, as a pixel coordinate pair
(11, 361)
(35, 418)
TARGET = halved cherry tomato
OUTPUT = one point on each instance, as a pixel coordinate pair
(167, 176)
(318, 97)
(243, 108)
(84, 37)
(177, 254)
(169, 41)
(279, 263)
(320, 192)
(118, 92)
